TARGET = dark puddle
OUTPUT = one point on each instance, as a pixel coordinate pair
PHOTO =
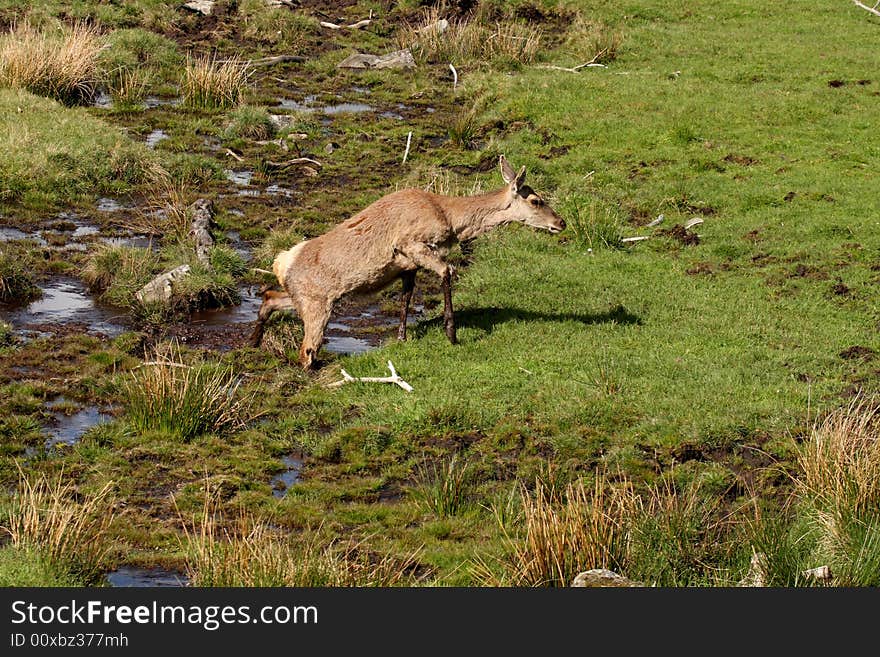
(68, 429)
(134, 576)
(284, 480)
(244, 312)
(65, 301)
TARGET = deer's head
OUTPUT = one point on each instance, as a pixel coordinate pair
(528, 206)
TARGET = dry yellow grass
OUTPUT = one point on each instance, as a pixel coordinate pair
(563, 533)
(66, 529)
(211, 83)
(469, 41)
(61, 64)
(251, 553)
(840, 488)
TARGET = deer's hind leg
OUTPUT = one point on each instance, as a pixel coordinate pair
(272, 300)
(408, 280)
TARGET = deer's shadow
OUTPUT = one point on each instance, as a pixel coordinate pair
(489, 317)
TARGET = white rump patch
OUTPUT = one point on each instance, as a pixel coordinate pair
(284, 260)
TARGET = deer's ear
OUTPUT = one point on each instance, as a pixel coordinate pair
(507, 172)
(520, 178)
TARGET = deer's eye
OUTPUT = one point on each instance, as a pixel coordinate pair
(537, 202)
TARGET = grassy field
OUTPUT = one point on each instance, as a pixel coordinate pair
(677, 409)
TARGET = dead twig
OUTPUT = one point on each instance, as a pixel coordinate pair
(394, 378)
(232, 153)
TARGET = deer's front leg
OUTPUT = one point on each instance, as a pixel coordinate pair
(408, 280)
(427, 257)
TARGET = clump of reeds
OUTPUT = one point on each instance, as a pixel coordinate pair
(66, 528)
(211, 83)
(444, 489)
(565, 532)
(167, 394)
(16, 281)
(840, 491)
(128, 88)
(62, 64)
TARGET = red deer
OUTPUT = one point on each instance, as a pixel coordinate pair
(392, 238)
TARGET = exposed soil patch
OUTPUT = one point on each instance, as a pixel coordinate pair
(742, 160)
(681, 234)
(857, 352)
(840, 289)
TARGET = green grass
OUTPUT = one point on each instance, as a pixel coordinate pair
(60, 155)
(698, 367)
(23, 567)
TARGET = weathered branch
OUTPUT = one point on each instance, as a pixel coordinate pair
(394, 378)
(203, 218)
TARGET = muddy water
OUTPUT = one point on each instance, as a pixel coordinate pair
(359, 330)
(10, 234)
(243, 313)
(66, 301)
(155, 137)
(109, 205)
(284, 480)
(134, 576)
(68, 429)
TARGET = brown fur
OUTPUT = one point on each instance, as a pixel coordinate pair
(392, 238)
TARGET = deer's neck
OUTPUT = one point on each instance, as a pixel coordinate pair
(471, 216)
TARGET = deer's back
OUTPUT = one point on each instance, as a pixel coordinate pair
(363, 252)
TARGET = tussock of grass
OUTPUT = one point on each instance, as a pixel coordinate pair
(61, 64)
(138, 49)
(251, 553)
(591, 227)
(117, 272)
(210, 83)
(563, 532)
(840, 490)
(588, 40)
(128, 88)
(249, 122)
(68, 530)
(16, 277)
(444, 490)
(184, 400)
(469, 41)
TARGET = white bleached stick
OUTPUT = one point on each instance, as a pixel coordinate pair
(454, 77)
(406, 152)
(394, 378)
